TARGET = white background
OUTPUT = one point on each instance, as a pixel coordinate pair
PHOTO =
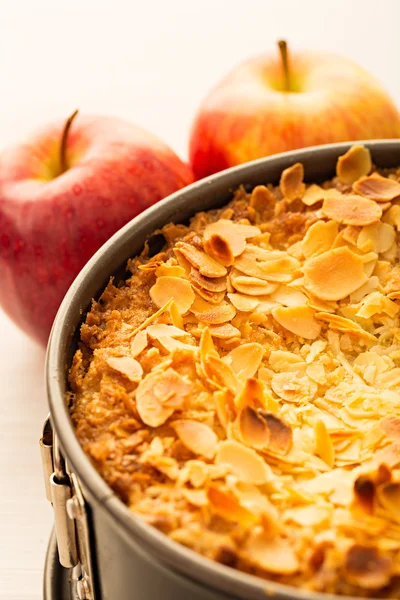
(150, 62)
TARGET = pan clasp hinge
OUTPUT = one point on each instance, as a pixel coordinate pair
(70, 514)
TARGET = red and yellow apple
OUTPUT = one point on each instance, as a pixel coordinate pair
(63, 193)
(275, 103)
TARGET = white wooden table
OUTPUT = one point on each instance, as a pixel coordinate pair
(150, 62)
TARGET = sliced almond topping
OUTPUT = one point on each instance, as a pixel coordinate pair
(220, 372)
(274, 555)
(245, 463)
(230, 233)
(251, 395)
(170, 344)
(221, 313)
(253, 429)
(364, 492)
(243, 303)
(167, 288)
(352, 210)
(224, 406)
(378, 188)
(262, 199)
(252, 286)
(218, 248)
(289, 296)
(159, 394)
(392, 216)
(227, 506)
(176, 317)
(291, 183)
(313, 194)
(319, 238)
(159, 330)
(298, 320)
(390, 426)
(224, 332)
(196, 497)
(197, 437)
(281, 436)
(211, 297)
(247, 231)
(354, 164)
(270, 265)
(201, 261)
(139, 343)
(334, 274)
(344, 325)
(216, 284)
(245, 359)
(376, 238)
(366, 567)
(126, 365)
(323, 443)
(170, 270)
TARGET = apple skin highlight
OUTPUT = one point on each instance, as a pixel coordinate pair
(249, 115)
(51, 223)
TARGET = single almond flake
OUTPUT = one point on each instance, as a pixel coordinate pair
(289, 296)
(206, 345)
(392, 216)
(319, 238)
(271, 554)
(176, 317)
(298, 320)
(376, 238)
(219, 249)
(224, 332)
(230, 233)
(224, 406)
(226, 505)
(197, 437)
(388, 496)
(179, 290)
(280, 269)
(354, 164)
(242, 302)
(350, 234)
(367, 568)
(159, 394)
(281, 435)
(262, 199)
(211, 297)
(160, 329)
(219, 372)
(378, 188)
(292, 388)
(201, 261)
(352, 210)
(252, 394)
(334, 274)
(252, 286)
(344, 325)
(221, 313)
(170, 344)
(245, 463)
(216, 284)
(196, 497)
(313, 194)
(252, 429)
(291, 183)
(131, 368)
(248, 231)
(170, 270)
(245, 359)
(139, 343)
(270, 265)
(323, 443)
(282, 360)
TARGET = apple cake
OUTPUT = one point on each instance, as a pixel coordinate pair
(240, 391)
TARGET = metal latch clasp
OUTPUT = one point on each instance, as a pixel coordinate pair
(70, 516)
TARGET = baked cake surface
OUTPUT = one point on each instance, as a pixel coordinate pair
(241, 390)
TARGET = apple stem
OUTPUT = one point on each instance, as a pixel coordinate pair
(283, 47)
(63, 145)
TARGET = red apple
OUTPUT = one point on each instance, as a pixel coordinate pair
(270, 104)
(63, 193)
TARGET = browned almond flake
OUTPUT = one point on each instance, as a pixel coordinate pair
(172, 288)
(354, 164)
(197, 437)
(225, 331)
(218, 248)
(364, 492)
(334, 274)
(366, 567)
(262, 199)
(253, 429)
(352, 210)
(252, 394)
(388, 496)
(378, 188)
(201, 261)
(227, 506)
(230, 233)
(291, 183)
(281, 435)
